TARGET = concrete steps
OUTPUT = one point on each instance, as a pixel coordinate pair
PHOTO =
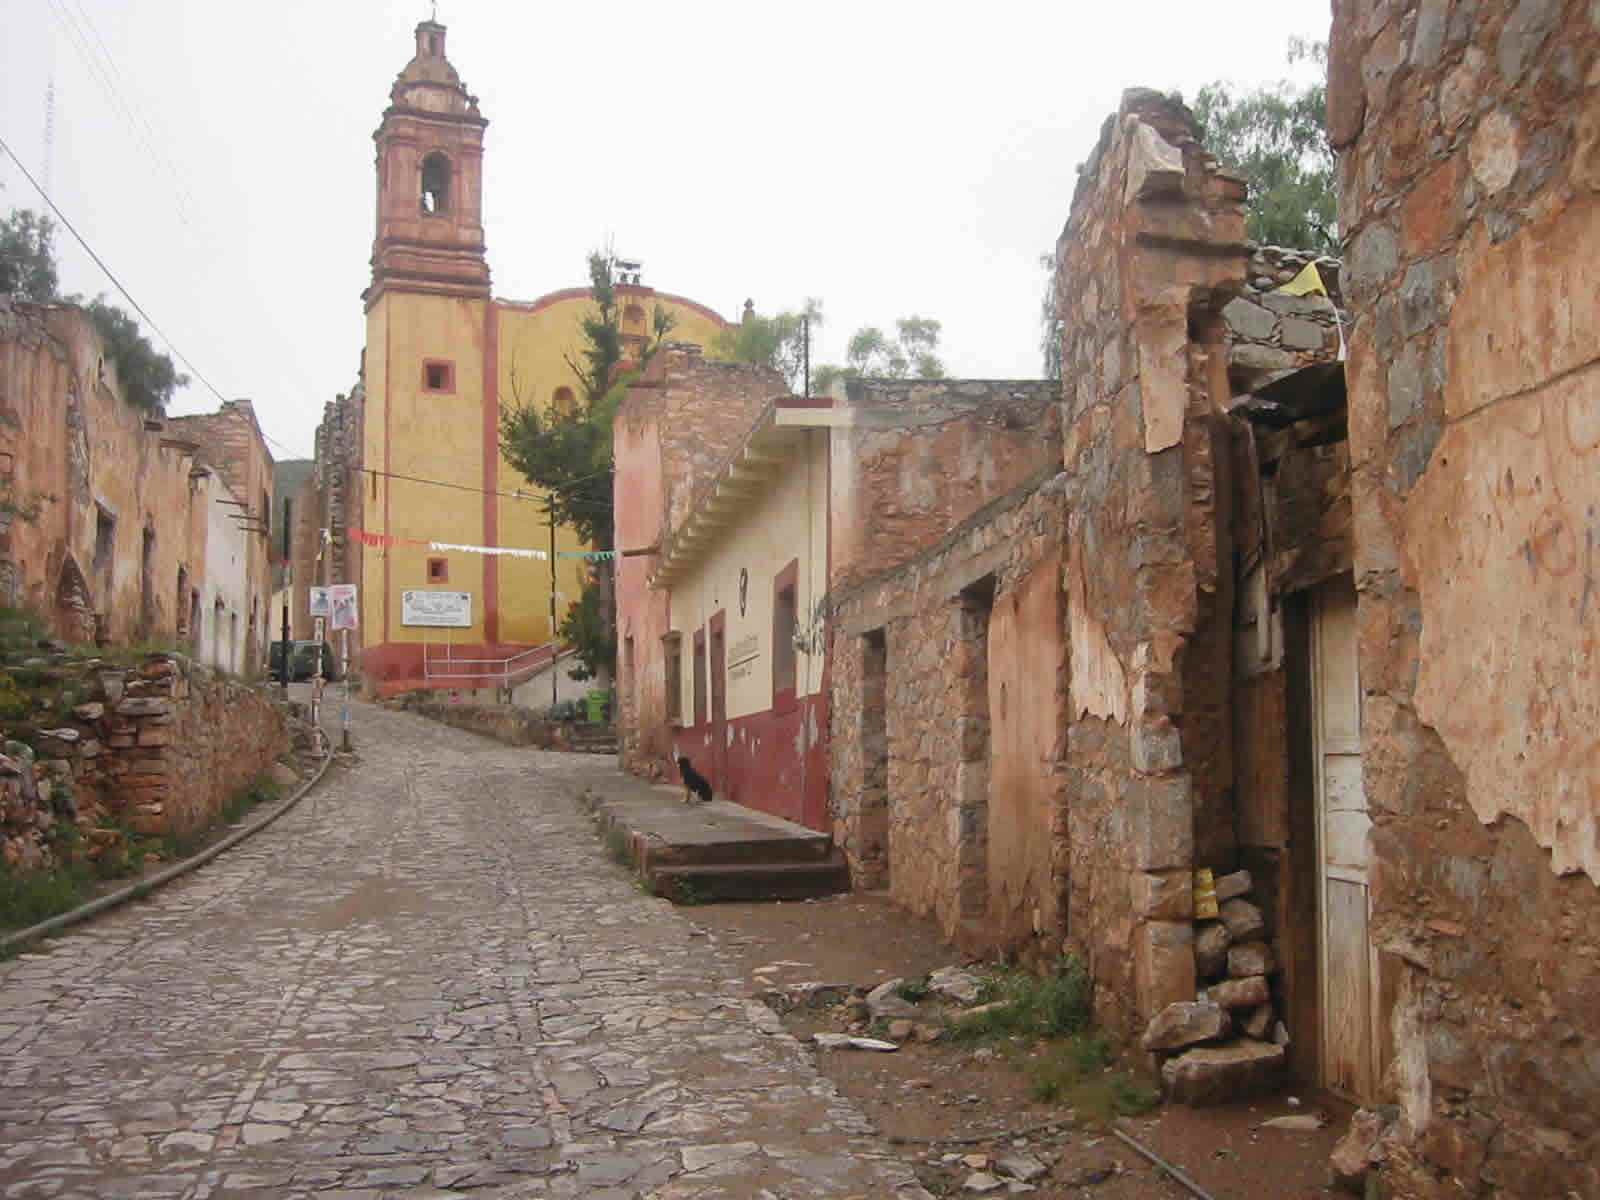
(751, 881)
(717, 851)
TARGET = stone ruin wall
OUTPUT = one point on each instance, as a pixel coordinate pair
(927, 825)
(919, 456)
(160, 748)
(1469, 141)
(69, 440)
(1153, 250)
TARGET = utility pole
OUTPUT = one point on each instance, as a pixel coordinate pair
(805, 350)
(288, 584)
(553, 676)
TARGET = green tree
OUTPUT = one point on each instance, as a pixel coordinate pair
(28, 272)
(870, 354)
(1276, 137)
(148, 377)
(567, 452)
(27, 257)
(778, 341)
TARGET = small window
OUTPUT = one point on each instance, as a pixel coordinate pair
(438, 570)
(700, 677)
(438, 376)
(672, 656)
(105, 539)
(785, 612)
(435, 184)
(563, 402)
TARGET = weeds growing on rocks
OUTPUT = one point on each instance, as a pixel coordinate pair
(1019, 1003)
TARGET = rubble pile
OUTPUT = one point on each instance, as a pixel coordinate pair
(1227, 1043)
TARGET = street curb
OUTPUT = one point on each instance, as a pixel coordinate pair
(145, 886)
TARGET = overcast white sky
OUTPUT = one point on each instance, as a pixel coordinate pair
(889, 158)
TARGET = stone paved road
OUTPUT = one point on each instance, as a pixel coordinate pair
(427, 980)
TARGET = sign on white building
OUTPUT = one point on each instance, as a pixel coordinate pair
(439, 610)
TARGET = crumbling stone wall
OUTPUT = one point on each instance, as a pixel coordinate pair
(159, 748)
(1272, 333)
(105, 479)
(912, 785)
(912, 459)
(1469, 140)
(1152, 252)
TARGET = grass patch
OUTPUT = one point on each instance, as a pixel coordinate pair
(261, 791)
(1019, 1003)
(914, 991)
(26, 899)
(1044, 1026)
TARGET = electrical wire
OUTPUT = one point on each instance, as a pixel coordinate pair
(117, 283)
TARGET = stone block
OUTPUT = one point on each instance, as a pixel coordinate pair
(1302, 335)
(1251, 958)
(1163, 963)
(1211, 949)
(1186, 1023)
(1259, 1023)
(1241, 993)
(1221, 1074)
(1244, 920)
(1160, 822)
(1249, 321)
(1232, 886)
(1163, 895)
(1155, 745)
(144, 706)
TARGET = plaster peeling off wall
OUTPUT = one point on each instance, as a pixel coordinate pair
(1504, 531)
(1099, 686)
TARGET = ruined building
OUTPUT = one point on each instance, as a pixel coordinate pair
(124, 526)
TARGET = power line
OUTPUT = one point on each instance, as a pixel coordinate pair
(117, 283)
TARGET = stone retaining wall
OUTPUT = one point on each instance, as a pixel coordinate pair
(158, 749)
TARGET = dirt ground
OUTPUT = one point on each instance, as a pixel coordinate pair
(951, 1107)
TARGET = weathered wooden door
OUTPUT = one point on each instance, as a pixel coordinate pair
(1349, 969)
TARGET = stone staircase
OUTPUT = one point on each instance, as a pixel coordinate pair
(594, 739)
(716, 851)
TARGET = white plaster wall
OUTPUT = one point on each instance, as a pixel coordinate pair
(225, 590)
(788, 520)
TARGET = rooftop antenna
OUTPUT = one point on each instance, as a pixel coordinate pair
(50, 119)
(435, 17)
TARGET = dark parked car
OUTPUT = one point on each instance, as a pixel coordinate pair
(303, 661)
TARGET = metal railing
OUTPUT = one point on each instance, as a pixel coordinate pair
(486, 672)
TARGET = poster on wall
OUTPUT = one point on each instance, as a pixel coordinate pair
(321, 603)
(342, 596)
(436, 610)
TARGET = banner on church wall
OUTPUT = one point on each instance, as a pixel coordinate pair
(436, 610)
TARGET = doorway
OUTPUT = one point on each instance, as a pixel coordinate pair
(1350, 1054)
(876, 858)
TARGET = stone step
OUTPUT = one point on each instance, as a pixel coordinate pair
(1238, 1070)
(751, 881)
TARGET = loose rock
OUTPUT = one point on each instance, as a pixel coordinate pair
(885, 1000)
(1244, 920)
(1185, 1024)
(1251, 958)
(1211, 949)
(1241, 993)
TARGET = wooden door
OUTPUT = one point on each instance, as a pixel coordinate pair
(1349, 970)
(719, 704)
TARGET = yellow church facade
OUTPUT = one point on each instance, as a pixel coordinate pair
(455, 558)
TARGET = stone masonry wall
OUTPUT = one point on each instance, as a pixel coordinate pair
(924, 827)
(1152, 252)
(158, 748)
(1469, 140)
(914, 458)
(1272, 333)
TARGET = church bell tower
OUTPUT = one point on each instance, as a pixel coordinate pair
(430, 182)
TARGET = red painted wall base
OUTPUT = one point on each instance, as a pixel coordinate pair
(761, 764)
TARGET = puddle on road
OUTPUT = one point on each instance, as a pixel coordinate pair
(373, 899)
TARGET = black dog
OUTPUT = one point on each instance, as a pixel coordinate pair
(695, 783)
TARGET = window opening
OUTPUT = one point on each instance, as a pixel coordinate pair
(435, 184)
(438, 570)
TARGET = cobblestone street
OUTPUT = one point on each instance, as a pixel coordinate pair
(425, 980)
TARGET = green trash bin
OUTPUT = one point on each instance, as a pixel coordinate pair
(596, 714)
